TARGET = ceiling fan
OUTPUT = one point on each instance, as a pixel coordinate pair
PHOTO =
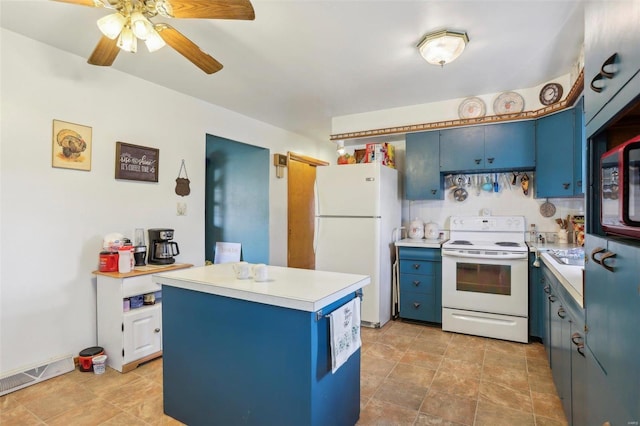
(132, 21)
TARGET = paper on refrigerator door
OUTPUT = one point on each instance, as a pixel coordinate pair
(345, 333)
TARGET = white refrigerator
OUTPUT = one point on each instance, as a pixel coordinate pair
(357, 208)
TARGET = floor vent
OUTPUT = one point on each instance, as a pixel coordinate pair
(35, 375)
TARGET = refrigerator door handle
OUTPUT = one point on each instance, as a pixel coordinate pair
(317, 220)
(315, 235)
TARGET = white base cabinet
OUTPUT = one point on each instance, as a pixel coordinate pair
(133, 337)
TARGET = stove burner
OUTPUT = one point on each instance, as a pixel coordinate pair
(507, 244)
(462, 242)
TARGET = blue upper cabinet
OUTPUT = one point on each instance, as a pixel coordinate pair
(555, 155)
(462, 149)
(495, 147)
(510, 146)
(579, 148)
(612, 62)
(423, 179)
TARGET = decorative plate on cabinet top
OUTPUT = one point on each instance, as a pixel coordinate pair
(472, 107)
(508, 103)
(550, 93)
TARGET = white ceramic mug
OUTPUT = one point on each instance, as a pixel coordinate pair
(242, 270)
(260, 272)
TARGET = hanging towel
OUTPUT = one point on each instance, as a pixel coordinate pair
(345, 332)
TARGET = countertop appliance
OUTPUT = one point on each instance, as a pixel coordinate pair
(161, 249)
(485, 277)
(620, 189)
(357, 208)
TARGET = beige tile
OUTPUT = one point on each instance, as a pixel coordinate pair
(401, 342)
(132, 396)
(401, 393)
(446, 381)
(501, 359)
(18, 416)
(403, 328)
(549, 406)
(465, 353)
(58, 401)
(506, 376)
(545, 421)
(90, 412)
(542, 383)
(538, 366)
(425, 419)
(374, 365)
(449, 407)
(429, 345)
(505, 397)
(384, 351)
(512, 348)
(412, 374)
(535, 350)
(461, 367)
(467, 340)
(422, 359)
(369, 384)
(379, 412)
(495, 415)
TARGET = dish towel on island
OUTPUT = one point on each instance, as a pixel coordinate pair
(345, 332)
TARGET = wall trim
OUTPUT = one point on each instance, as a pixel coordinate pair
(568, 102)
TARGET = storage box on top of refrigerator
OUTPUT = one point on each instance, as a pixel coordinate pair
(357, 209)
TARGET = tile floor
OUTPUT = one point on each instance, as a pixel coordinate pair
(411, 375)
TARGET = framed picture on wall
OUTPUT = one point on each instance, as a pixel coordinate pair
(134, 162)
(71, 146)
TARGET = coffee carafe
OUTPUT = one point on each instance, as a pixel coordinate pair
(161, 249)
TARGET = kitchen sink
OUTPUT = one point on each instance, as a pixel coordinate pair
(571, 257)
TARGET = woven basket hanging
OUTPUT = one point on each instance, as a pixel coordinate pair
(182, 183)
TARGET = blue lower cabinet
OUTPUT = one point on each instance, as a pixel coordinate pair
(535, 300)
(228, 362)
(421, 284)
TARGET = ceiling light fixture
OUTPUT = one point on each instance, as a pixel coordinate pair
(442, 47)
(129, 24)
(340, 147)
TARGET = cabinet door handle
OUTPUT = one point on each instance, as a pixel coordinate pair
(490, 160)
(416, 305)
(561, 312)
(593, 86)
(580, 349)
(596, 251)
(610, 61)
(416, 283)
(566, 185)
(552, 298)
(416, 266)
(157, 330)
(434, 191)
(546, 289)
(604, 258)
(576, 338)
(478, 160)
(579, 183)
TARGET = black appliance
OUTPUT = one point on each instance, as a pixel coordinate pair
(161, 249)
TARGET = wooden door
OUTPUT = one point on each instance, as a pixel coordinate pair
(301, 211)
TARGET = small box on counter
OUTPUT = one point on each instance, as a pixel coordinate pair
(383, 153)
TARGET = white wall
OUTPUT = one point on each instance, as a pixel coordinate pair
(53, 220)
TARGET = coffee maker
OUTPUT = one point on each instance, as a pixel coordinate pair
(161, 248)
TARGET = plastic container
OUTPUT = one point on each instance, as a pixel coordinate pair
(99, 364)
(125, 259)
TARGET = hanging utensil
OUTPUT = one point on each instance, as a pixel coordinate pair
(547, 209)
(515, 178)
(524, 181)
(507, 183)
(496, 185)
(460, 194)
(477, 181)
(486, 186)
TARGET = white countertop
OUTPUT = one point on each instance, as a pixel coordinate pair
(410, 242)
(571, 277)
(301, 289)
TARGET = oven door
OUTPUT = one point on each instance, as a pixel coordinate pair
(486, 284)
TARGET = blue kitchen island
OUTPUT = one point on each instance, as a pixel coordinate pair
(240, 352)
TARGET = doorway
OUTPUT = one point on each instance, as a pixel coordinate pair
(237, 198)
(301, 210)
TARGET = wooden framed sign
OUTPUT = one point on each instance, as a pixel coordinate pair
(134, 162)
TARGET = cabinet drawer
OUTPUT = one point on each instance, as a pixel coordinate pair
(417, 283)
(417, 267)
(420, 253)
(139, 285)
(416, 306)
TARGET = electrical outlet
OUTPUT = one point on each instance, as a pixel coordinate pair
(181, 209)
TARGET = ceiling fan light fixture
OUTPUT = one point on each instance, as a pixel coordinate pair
(154, 41)
(442, 47)
(127, 40)
(111, 25)
(141, 26)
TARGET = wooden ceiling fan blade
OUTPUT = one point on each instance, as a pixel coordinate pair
(105, 52)
(187, 48)
(206, 9)
(91, 3)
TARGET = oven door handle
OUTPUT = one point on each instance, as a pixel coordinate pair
(477, 256)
